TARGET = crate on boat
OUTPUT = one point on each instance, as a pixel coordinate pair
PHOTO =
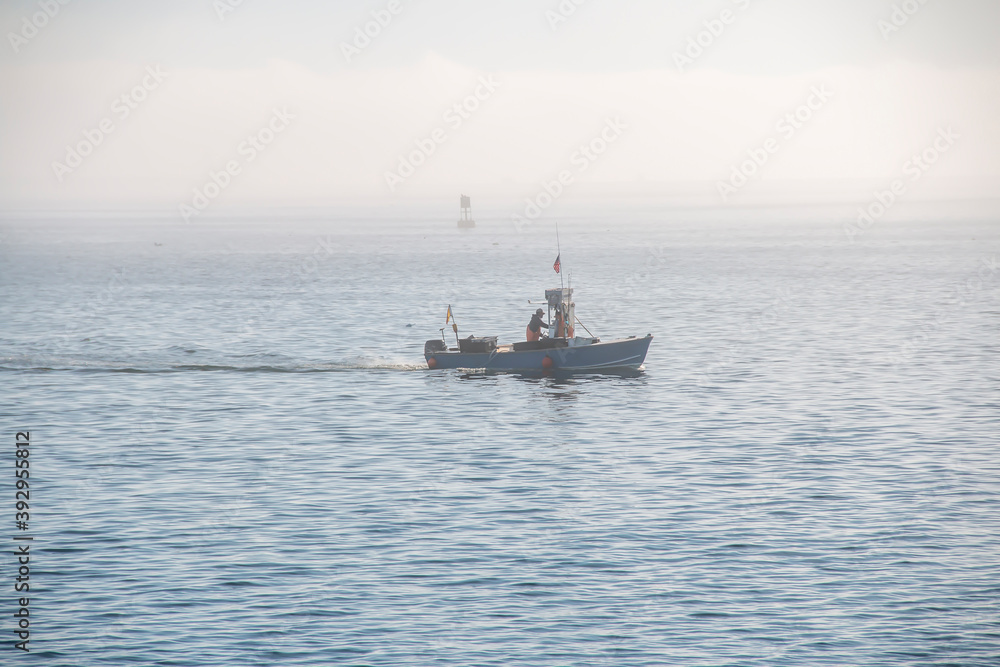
(480, 344)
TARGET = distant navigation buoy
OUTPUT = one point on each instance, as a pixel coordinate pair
(465, 220)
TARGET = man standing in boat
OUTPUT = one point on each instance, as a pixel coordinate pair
(534, 330)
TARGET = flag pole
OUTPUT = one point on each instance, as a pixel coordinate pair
(454, 324)
(562, 287)
(559, 257)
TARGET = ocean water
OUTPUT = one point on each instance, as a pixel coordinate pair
(240, 458)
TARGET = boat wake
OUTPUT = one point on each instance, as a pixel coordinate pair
(249, 364)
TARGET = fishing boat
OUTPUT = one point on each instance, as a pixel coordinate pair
(561, 350)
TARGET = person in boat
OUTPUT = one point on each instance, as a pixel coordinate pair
(534, 330)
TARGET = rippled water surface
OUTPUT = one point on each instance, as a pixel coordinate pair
(239, 457)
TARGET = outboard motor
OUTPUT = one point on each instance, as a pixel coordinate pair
(435, 345)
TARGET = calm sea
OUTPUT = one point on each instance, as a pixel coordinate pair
(239, 457)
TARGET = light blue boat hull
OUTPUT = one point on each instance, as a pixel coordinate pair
(626, 353)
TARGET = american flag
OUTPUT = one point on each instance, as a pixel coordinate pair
(557, 265)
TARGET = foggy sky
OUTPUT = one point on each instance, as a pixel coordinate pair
(201, 82)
